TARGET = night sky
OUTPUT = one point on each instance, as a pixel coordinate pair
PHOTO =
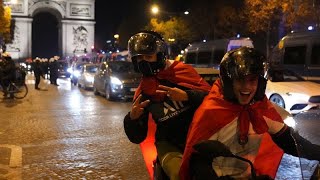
(109, 16)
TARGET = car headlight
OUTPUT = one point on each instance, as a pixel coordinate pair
(89, 78)
(115, 81)
(69, 70)
(76, 73)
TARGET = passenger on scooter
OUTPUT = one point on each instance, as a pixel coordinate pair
(237, 113)
(169, 91)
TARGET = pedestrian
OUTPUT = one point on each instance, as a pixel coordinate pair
(54, 70)
(169, 91)
(238, 114)
(37, 71)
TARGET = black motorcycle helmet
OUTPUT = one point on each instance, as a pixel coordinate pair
(237, 64)
(147, 43)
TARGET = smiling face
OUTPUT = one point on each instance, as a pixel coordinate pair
(245, 88)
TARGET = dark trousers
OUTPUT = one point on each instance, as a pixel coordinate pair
(36, 85)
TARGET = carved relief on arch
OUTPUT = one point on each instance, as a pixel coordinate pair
(35, 5)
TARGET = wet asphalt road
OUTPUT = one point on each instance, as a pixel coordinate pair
(66, 133)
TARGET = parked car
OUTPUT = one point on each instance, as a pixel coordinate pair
(291, 91)
(74, 71)
(86, 76)
(116, 79)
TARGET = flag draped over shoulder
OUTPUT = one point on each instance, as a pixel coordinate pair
(215, 112)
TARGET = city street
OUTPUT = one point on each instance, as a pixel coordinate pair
(66, 133)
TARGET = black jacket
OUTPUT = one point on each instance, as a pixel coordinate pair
(172, 119)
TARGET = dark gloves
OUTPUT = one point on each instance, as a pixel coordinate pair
(294, 144)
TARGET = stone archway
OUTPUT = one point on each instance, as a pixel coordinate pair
(46, 35)
(75, 25)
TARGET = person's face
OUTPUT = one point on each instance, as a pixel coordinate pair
(149, 58)
(245, 89)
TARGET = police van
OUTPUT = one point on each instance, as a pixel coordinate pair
(205, 57)
(300, 52)
(210, 53)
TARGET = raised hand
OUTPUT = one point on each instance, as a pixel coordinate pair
(174, 94)
(138, 108)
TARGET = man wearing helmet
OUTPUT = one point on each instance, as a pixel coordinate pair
(238, 114)
(169, 92)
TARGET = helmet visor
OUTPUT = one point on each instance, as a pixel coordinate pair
(145, 44)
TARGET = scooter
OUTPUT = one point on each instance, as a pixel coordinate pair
(291, 167)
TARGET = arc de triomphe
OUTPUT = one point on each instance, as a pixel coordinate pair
(75, 25)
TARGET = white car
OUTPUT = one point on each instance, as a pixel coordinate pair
(291, 91)
(86, 76)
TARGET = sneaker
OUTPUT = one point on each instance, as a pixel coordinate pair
(37, 88)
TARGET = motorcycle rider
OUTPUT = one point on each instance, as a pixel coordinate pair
(237, 113)
(169, 91)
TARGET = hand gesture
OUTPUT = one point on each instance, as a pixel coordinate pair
(174, 94)
(138, 108)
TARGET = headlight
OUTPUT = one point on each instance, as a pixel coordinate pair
(69, 70)
(89, 78)
(115, 81)
(76, 73)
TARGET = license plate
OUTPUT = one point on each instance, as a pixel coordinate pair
(133, 89)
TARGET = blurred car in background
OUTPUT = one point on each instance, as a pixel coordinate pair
(116, 80)
(86, 76)
(63, 68)
(291, 91)
(74, 71)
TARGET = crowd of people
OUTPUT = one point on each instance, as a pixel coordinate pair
(190, 116)
(47, 69)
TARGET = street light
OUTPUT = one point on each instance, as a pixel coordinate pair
(156, 10)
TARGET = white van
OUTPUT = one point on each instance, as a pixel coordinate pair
(300, 52)
(209, 54)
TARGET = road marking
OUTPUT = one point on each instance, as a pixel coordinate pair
(14, 168)
(16, 155)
